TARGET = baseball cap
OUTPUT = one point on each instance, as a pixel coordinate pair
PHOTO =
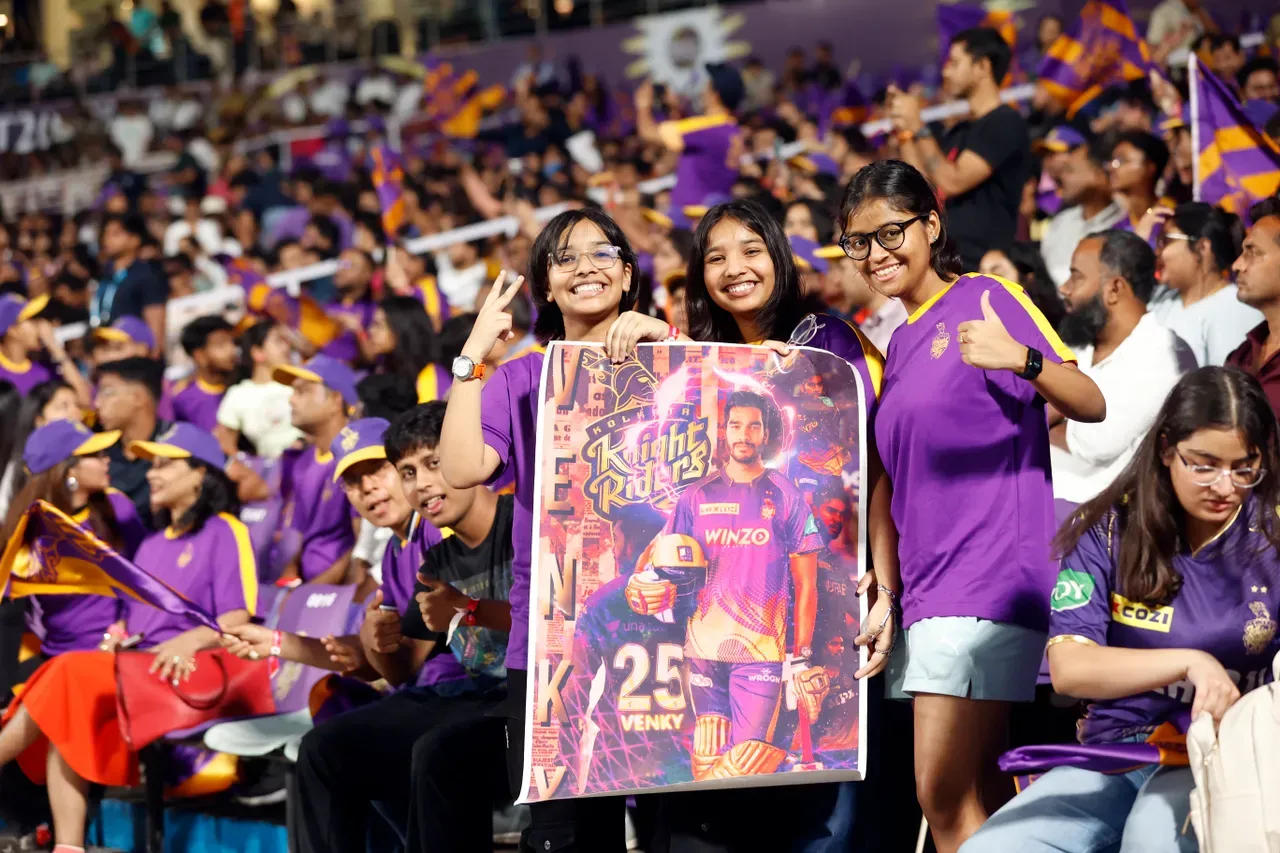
(806, 254)
(14, 309)
(1171, 123)
(357, 442)
(182, 441)
(815, 163)
(127, 329)
(727, 82)
(831, 253)
(1061, 139)
(328, 371)
(58, 441)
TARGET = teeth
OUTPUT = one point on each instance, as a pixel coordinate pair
(588, 289)
(740, 289)
(887, 272)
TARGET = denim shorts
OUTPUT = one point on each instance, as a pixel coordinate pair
(966, 657)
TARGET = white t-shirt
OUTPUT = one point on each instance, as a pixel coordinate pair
(207, 234)
(260, 412)
(132, 135)
(460, 286)
(1213, 327)
(1134, 380)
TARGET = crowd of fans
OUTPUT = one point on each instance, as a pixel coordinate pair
(327, 438)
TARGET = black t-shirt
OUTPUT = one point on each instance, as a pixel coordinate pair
(141, 286)
(481, 572)
(986, 217)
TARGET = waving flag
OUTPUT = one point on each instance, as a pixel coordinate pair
(1102, 49)
(49, 554)
(955, 18)
(387, 171)
(456, 102)
(1234, 164)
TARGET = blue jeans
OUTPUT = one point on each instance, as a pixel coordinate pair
(1070, 810)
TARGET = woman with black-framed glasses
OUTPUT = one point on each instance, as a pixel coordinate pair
(961, 429)
(1164, 609)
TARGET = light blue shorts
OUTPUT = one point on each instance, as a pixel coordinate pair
(966, 657)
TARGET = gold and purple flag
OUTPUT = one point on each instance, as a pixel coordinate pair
(387, 171)
(50, 554)
(1234, 163)
(1100, 50)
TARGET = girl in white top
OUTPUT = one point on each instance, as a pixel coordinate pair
(257, 407)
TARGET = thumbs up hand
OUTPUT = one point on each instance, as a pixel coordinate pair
(987, 344)
(380, 632)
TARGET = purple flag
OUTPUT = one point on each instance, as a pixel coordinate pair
(1166, 745)
(1235, 164)
(1101, 49)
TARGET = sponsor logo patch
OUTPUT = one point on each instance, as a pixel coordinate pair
(718, 509)
(1073, 589)
(1142, 616)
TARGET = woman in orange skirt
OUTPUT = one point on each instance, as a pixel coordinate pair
(64, 730)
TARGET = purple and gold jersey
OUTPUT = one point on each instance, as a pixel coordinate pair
(1226, 606)
(320, 513)
(196, 402)
(433, 383)
(400, 564)
(213, 567)
(748, 531)
(967, 451)
(626, 683)
(24, 376)
(706, 170)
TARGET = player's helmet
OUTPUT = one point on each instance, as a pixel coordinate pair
(679, 559)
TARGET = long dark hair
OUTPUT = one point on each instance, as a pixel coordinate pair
(1223, 231)
(51, 486)
(11, 437)
(1033, 275)
(416, 341)
(784, 308)
(550, 322)
(24, 424)
(250, 339)
(905, 189)
(1141, 504)
(217, 495)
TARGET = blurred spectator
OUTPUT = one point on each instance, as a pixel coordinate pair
(1176, 24)
(1088, 205)
(1259, 80)
(133, 287)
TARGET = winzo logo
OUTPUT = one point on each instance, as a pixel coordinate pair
(739, 536)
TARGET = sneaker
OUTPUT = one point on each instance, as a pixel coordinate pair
(267, 787)
(508, 823)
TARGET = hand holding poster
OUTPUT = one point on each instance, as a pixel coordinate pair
(698, 542)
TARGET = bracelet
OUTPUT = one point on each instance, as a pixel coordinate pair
(673, 333)
(893, 596)
(277, 640)
(470, 618)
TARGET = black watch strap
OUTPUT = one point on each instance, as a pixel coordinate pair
(1035, 364)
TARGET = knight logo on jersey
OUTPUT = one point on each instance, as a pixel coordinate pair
(768, 510)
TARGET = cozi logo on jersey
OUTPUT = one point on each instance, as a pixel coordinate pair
(718, 509)
(738, 536)
(1135, 615)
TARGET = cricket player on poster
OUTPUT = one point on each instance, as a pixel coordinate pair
(761, 543)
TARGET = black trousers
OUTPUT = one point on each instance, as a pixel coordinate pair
(431, 763)
(588, 825)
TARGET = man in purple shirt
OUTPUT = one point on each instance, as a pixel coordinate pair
(317, 510)
(19, 340)
(211, 343)
(355, 306)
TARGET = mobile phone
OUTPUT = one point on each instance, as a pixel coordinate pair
(129, 642)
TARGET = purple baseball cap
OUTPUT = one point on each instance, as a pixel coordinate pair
(182, 441)
(815, 163)
(1060, 140)
(58, 441)
(358, 442)
(806, 254)
(127, 329)
(329, 372)
(14, 309)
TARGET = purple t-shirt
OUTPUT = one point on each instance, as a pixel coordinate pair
(197, 403)
(24, 376)
(1227, 606)
(748, 532)
(705, 171)
(213, 567)
(345, 347)
(67, 623)
(402, 560)
(320, 513)
(509, 422)
(967, 451)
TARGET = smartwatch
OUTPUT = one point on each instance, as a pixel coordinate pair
(923, 133)
(464, 369)
(1035, 364)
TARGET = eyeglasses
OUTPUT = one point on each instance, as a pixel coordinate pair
(1164, 239)
(601, 257)
(1209, 475)
(890, 236)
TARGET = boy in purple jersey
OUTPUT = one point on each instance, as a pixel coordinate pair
(1164, 609)
(19, 340)
(210, 341)
(760, 540)
(323, 391)
(355, 306)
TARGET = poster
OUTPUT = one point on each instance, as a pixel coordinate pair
(698, 538)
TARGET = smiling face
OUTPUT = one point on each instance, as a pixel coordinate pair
(737, 268)
(1204, 457)
(175, 483)
(745, 434)
(895, 273)
(428, 493)
(583, 282)
(92, 472)
(373, 488)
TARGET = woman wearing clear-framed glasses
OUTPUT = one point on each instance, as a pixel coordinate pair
(1164, 609)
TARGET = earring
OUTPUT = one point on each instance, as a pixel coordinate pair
(73, 485)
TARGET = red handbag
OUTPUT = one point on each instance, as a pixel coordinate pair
(223, 687)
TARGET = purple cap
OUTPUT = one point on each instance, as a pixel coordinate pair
(806, 254)
(14, 309)
(1061, 139)
(815, 163)
(329, 372)
(358, 442)
(58, 441)
(182, 441)
(127, 329)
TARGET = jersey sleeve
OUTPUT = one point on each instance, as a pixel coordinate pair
(411, 621)
(235, 581)
(800, 527)
(497, 407)
(1080, 608)
(681, 519)
(1028, 327)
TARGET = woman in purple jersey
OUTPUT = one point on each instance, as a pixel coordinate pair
(961, 428)
(1164, 609)
(582, 270)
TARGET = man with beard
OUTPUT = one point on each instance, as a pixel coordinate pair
(1258, 284)
(1134, 360)
(1087, 204)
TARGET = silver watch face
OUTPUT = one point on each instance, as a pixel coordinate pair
(463, 367)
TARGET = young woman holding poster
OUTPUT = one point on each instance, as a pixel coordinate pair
(962, 431)
(582, 269)
(1187, 537)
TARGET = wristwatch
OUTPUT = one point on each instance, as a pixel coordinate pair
(923, 133)
(464, 369)
(1035, 364)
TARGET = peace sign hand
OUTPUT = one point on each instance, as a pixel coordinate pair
(493, 321)
(987, 344)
